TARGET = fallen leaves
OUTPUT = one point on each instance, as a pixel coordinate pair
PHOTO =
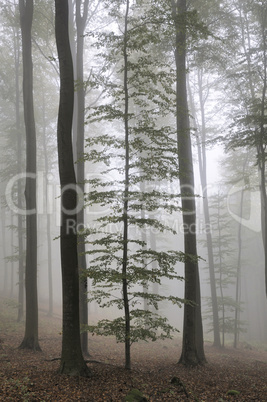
(27, 376)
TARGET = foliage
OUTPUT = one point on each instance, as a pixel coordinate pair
(137, 157)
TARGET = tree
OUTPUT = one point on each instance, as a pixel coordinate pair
(72, 361)
(139, 154)
(193, 350)
(30, 340)
(13, 157)
(227, 267)
(202, 162)
(250, 83)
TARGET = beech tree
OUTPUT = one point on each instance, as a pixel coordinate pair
(139, 155)
(30, 340)
(14, 154)
(249, 129)
(72, 361)
(193, 349)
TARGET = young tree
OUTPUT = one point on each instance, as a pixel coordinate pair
(30, 340)
(139, 155)
(72, 361)
(193, 350)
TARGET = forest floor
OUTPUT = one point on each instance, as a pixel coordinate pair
(32, 376)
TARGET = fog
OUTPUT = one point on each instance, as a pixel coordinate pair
(252, 291)
(233, 184)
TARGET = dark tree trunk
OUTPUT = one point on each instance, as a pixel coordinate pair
(81, 19)
(193, 350)
(30, 340)
(72, 361)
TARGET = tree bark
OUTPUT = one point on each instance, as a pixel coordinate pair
(192, 351)
(30, 340)
(126, 190)
(72, 361)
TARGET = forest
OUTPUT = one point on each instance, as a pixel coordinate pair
(133, 238)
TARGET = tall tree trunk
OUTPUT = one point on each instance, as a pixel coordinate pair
(12, 253)
(203, 178)
(127, 341)
(202, 162)
(48, 218)
(153, 243)
(19, 187)
(144, 248)
(238, 272)
(193, 350)
(220, 252)
(30, 340)
(19, 170)
(262, 142)
(72, 361)
(81, 19)
(3, 230)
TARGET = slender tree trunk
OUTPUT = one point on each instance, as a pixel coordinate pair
(72, 361)
(3, 230)
(238, 276)
(202, 162)
(30, 340)
(262, 145)
(126, 193)
(221, 271)
(20, 249)
(144, 240)
(81, 19)
(12, 253)
(192, 351)
(203, 178)
(19, 170)
(153, 242)
(11, 291)
(48, 219)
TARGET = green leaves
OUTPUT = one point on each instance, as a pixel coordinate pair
(144, 326)
(134, 150)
